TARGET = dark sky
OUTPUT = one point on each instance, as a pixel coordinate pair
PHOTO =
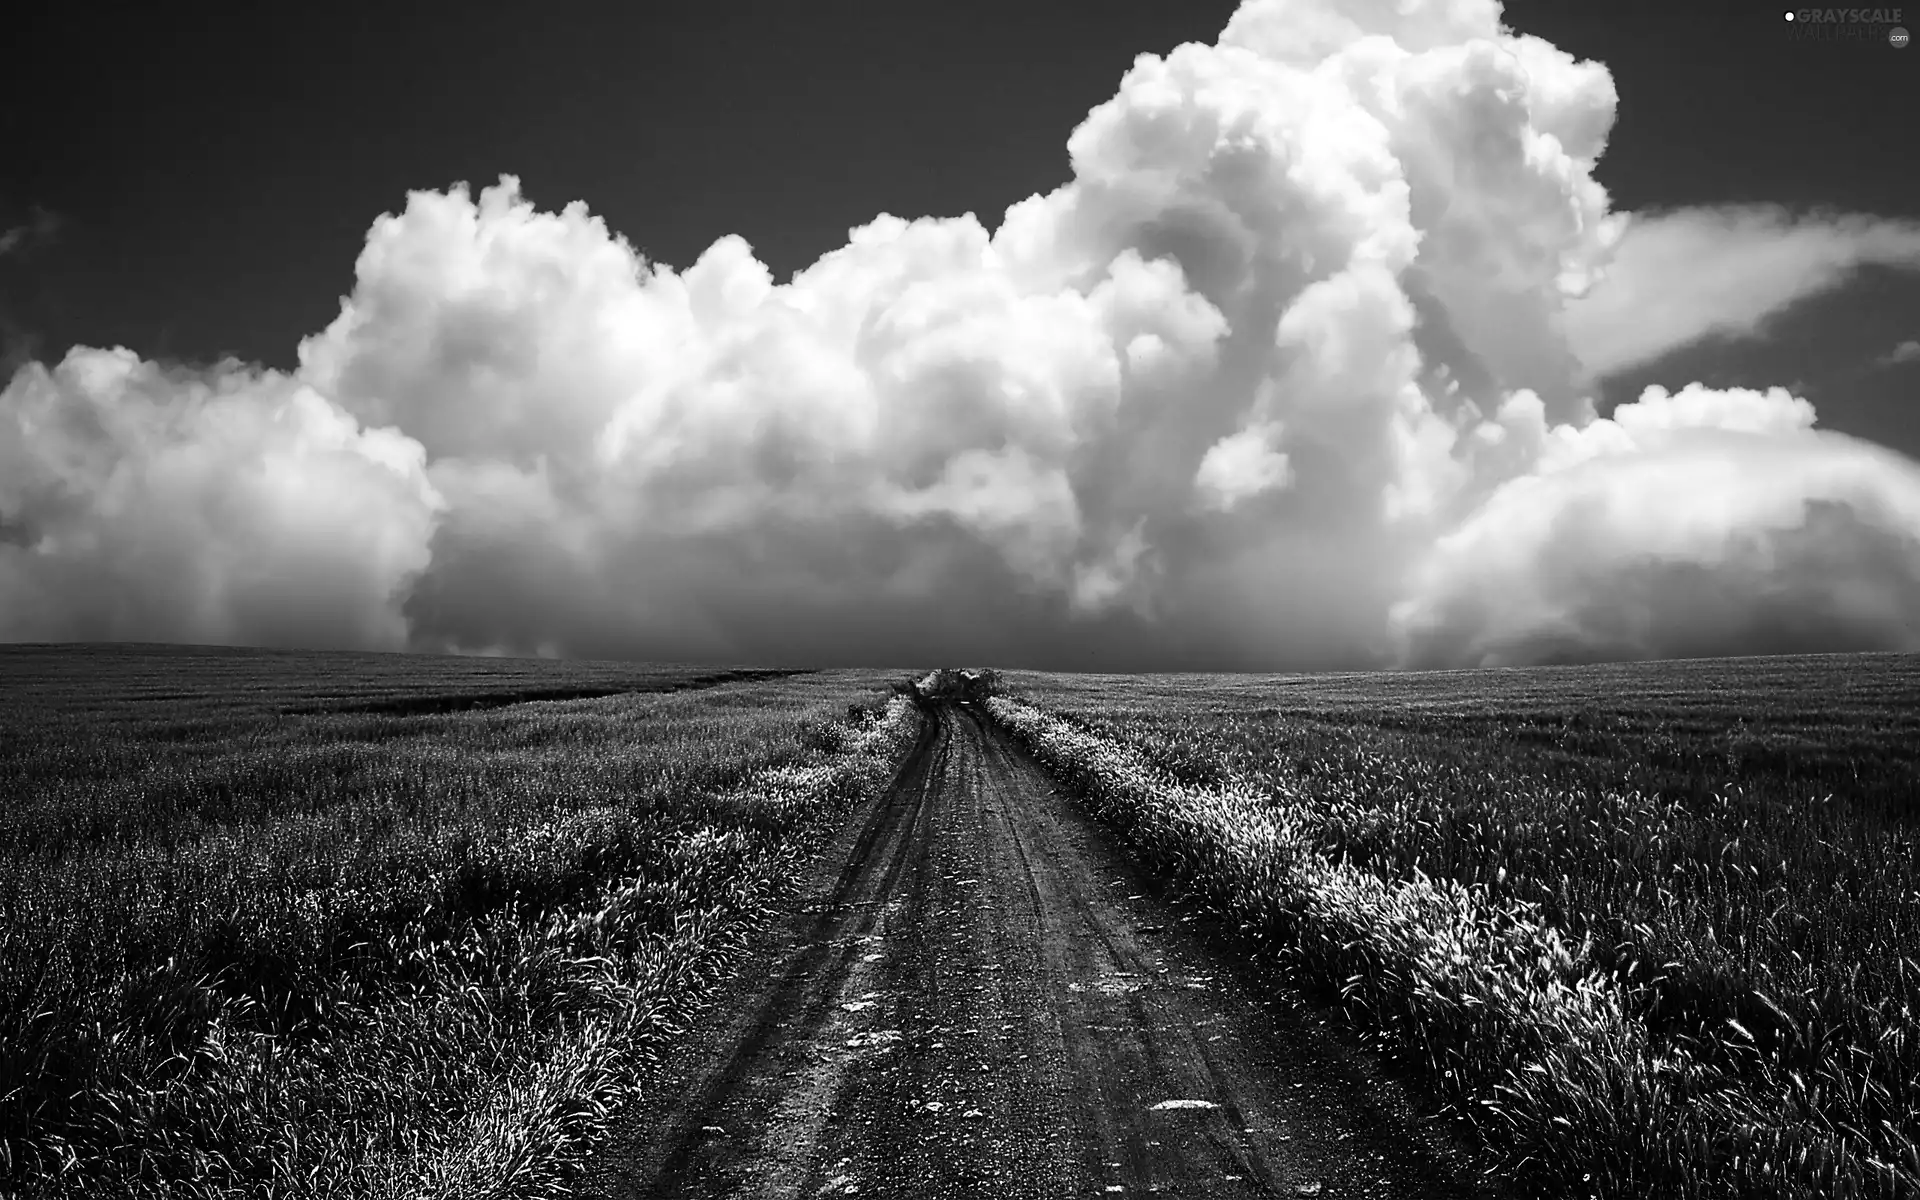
(214, 167)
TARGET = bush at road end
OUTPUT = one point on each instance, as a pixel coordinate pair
(968, 685)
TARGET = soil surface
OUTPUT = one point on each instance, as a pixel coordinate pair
(981, 997)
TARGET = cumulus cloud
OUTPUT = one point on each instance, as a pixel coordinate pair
(1293, 370)
(138, 502)
(1682, 276)
(1690, 524)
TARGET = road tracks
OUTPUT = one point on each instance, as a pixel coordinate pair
(983, 998)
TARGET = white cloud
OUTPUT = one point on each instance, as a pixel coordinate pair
(1695, 273)
(227, 506)
(1694, 524)
(1906, 352)
(1240, 466)
(1292, 370)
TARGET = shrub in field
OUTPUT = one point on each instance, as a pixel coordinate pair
(380, 953)
(1540, 1039)
(969, 685)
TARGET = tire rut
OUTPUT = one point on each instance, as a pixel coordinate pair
(743, 1080)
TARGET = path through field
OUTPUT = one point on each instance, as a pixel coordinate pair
(985, 999)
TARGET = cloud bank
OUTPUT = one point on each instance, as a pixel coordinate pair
(1293, 372)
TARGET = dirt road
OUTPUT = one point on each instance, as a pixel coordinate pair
(985, 999)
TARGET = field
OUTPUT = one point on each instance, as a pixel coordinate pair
(286, 924)
(1647, 929)
(279, 924)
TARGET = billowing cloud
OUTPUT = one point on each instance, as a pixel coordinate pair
(1683, 276)
(141, 503)
(1295, 369)
(1687, 525)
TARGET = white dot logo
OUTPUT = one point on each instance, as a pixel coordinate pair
(1897, 38)
(1789, 15)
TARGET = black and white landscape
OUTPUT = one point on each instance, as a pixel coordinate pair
(494, 505)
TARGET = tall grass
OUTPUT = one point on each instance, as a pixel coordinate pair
(253, 946)
(1637, 963)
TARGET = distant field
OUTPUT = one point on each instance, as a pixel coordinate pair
(275, 923)
(209, 682)
(1846, 724)
(1726, 850)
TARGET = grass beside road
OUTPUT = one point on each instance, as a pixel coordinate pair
(293, 925)
(1650, 928)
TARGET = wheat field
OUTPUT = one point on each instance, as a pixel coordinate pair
(1645, 929)
(277, 924)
